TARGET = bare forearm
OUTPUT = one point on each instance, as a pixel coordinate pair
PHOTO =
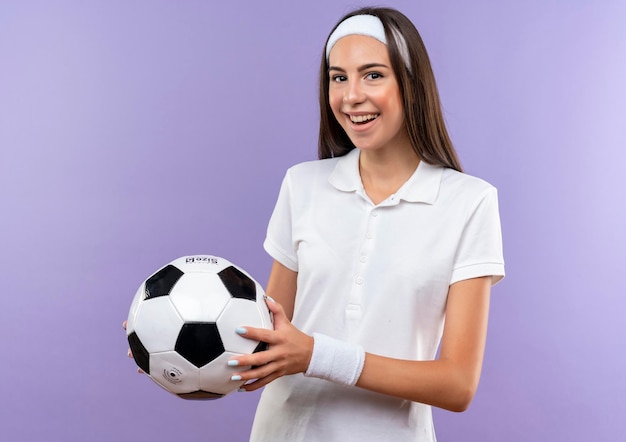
(439, 383)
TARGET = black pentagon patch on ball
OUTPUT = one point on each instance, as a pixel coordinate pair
(200, 395)
(238, 284)
(140, 354)
(162, 282)
(199, 342)
(261, 347)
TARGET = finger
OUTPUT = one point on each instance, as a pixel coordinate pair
(272, 305)
(257, 373)
(257, 334)
(258, 383)
(277, 310)
(124, 324)
(254, 360)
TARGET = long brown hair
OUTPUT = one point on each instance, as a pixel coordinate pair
(422, 108)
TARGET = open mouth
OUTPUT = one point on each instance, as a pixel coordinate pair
(363, 119)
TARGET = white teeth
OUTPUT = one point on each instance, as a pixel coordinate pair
(362, 118)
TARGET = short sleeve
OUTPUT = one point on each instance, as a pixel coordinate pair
(279, 242)
(479, 251)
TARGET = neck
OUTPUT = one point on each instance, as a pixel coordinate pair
(384, 172)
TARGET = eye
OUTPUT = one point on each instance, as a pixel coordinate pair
(338, 78)
(374, 75)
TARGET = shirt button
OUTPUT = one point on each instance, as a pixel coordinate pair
(359, 280)
(374, 213)
(369, 235)
(363, 259)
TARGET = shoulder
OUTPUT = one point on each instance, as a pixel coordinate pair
(465, 193)
(464, 185)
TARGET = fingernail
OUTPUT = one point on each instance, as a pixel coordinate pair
(241, 390)
(233, 363)
(130, 355)
(270, 298)
(241, 331)
(235, 378)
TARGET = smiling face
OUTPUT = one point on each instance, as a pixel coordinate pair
(364, 94)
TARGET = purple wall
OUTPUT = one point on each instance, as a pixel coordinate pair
(135, 132)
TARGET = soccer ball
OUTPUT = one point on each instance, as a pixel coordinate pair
(182, 321)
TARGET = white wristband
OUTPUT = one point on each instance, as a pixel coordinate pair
(335, 360)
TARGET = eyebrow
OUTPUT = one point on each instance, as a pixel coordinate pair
(361, 68)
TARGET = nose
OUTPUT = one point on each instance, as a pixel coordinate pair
(353, 93)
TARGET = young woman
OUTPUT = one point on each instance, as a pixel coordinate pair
(384, 252)
(374, 245)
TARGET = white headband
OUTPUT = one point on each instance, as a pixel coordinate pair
(370, 26)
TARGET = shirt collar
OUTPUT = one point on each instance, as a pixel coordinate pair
(421, 187)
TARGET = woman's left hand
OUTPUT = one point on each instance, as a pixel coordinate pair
(289, 351)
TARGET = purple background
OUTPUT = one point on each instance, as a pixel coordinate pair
(134, 132)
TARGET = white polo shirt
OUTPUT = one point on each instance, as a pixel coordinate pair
(377, 275)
